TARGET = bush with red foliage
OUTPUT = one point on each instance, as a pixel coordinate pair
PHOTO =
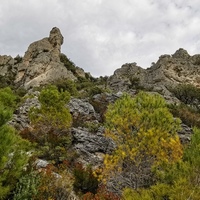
(102, 194)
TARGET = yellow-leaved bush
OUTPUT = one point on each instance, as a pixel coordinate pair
(145, 134)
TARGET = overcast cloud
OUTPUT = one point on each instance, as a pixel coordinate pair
(101, 35)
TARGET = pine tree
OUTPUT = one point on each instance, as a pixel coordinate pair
(13, 149)
(145, 134)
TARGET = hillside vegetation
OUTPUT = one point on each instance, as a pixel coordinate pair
(66, 135)
(148, 161)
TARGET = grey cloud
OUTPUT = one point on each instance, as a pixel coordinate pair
(101, 35)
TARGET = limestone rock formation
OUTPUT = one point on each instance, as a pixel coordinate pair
(5, 63)
(41, 62)
(167, 72)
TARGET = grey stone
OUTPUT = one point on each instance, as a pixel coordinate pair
(90, 146)
(185, 133)
(20, 119)
(82, 111)
(39, 163)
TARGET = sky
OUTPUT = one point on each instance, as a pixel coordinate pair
(102, 35)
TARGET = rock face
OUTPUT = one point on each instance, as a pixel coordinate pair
(40, 65)
(91, 146)
(20, 118)
(169, 71)
(6, 62)
(8, 70)
(41, 62)
(82, 111)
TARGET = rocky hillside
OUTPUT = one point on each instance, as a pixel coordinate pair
(167, 72)
(43, 63)
(65, 124)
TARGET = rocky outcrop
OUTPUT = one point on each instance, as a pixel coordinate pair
(82, 111)
(6, 62)
(8, 69)
(40, 65)
(91, 146)
(20, 118)
(167, 72)
(41, 62)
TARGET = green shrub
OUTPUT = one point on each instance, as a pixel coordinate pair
(188, 115)
(68, 63)
(51, 123)
(13, 148)
(67, 85)
(94, 90)
(92, 126)
(18, 59)
(135, 82)
(188, 94)
(85, 181)
(27, 187)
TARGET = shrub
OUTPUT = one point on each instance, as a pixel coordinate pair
(51, 123)
(102, 194)
(85, 181)
(94, 90)
(18, 59)
(13, 148)
(188, 115)
(68, 63)
(27, 187)
(145, 134)
(135, 82)
(92, 126)
(67, 85)
(188, 94)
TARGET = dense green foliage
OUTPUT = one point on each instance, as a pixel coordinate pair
(188, 94)
(53, 112)
(68, 63)
(13, 157)
(85, 181)
(27, 187)
(67, 85)
(187, 114)
(188, 111)
(145, 133)
(51, 122)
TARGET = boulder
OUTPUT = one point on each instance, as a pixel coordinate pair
(91, 146)
(82, 111)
